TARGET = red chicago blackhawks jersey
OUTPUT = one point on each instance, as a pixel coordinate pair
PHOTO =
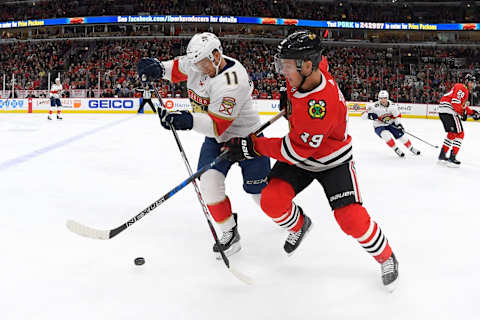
(318, 138)
(453, 102)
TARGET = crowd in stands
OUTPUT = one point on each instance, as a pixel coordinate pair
(419, 75)
(375, 11)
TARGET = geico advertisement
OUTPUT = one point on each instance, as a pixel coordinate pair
(13, 104)
(115, 104)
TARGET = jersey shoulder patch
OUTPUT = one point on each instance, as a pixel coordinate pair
(227, 105)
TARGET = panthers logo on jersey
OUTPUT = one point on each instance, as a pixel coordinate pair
(317, 109)
(199, 104)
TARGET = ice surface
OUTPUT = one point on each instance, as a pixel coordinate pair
(102, 170)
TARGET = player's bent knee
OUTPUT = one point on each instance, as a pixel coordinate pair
(461, 135)
(277, 197)
(353, 219)
(212, 186)
(386, 135)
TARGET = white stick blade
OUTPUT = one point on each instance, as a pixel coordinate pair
(88, 232)
(240, 276)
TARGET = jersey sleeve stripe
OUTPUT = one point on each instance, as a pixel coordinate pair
(347, 147)
(346, 152)
(289, 153)
(177, 74)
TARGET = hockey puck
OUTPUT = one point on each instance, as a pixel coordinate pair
(139, 261)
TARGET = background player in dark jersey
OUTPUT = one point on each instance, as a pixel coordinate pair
(317, 147)
(453, 108)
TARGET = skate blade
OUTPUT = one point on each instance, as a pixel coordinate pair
(392, 286)
(452, 165)
(441, 162)
(304, 236)
(234, 248)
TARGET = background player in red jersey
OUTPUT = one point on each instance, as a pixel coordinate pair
(454, 108)
(317, 147)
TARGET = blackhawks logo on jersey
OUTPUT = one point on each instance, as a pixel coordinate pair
(317, 109)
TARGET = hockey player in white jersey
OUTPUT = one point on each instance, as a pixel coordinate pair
(55, 93)
(387, 125)
(219, 90)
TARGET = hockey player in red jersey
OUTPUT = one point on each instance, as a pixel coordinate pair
(317, 147)
(454, 108)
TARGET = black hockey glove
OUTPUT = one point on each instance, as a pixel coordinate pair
(284, 101)
(464, 116)
(372, 116)
(240, 149)
(150, 67)
(476, 115)
(400, 127)
(180, 120)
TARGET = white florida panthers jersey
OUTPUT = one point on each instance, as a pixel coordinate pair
(226, 98)
(386, 115)
(56, 91)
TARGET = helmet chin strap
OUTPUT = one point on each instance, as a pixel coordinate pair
(217, 66)
(303, 77)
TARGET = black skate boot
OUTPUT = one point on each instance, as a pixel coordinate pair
(295, 238)
(390, 273)
(399, 152)
(49, 118)
(453, 162)
(442, 157)
(415, 151)
(59, 117)
(230, 241)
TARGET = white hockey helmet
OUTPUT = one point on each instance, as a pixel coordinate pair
(201, 46)
(383, 94)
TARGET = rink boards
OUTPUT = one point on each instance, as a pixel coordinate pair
(131, 105)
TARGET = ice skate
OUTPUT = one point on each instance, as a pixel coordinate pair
(390, 273)
(230, 241)
(295, 238)
(453, 162)
(415, 151)
(59, 117)
(49, 118)
(399, 152)
(442, 158)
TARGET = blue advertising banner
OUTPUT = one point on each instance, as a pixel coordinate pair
(242, 20)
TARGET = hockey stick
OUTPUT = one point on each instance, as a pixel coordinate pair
(236, 273)
(426, 142)
(432, 145)
(94, 233)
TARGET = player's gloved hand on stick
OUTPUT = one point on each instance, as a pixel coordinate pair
(476, 115)
(400, 127)
(372, 116)
(180, 120)
(240, 149)
(151, 67)
(283, 101)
